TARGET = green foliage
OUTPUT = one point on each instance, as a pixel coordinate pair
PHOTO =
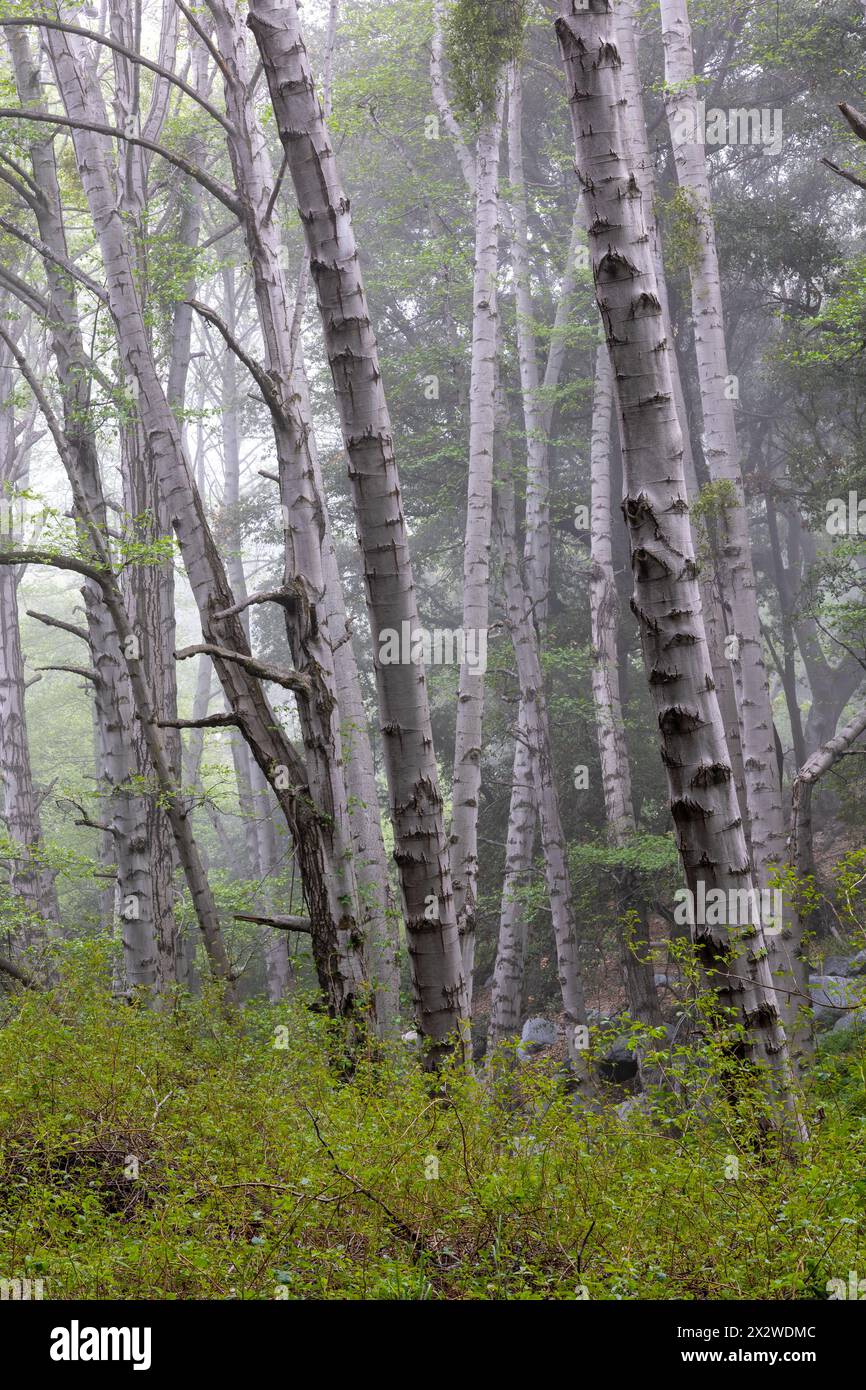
(480, 39)
(178, 1155)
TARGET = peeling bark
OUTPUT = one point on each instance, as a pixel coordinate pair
(666, 598)
(421, 848)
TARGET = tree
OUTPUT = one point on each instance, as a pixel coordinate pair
(666, 599)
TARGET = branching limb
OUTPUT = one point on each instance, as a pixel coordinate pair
(138, 58)
(58, 622)
(85, 672)
(218, 190)
(290, 680)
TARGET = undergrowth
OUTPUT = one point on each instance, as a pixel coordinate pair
(178, 1155)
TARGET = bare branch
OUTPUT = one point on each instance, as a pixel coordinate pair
(258, 373)
(58, 622)
(204, 36)
(290, 680)
(282, 596)
(211, 721)
(213, 186)
(129, 53)
(85, 672)
(61, 261)
(281, 923)
(844, 173)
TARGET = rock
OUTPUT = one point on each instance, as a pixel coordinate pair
(536, 1034)
(857, 964)
(619, 1063)
(848, 1023)
(836, 965)
(833, 993)
(660, 981)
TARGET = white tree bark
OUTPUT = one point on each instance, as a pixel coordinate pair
(604, 613)
(534, 727)
(466, 782)
(29, 879)
(421, 848)
(224, 635)
(721, 451)
(666, 598)
(711, 601)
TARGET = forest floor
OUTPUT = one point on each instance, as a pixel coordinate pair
(181, 1156)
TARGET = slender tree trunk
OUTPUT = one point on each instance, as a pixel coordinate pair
(507, 994)
(666, 597)
(536, 730)
(466, 783)
(708, 579)
(639, 975)
(604, 613)
(421, 848)
(221, 628)
(721, 450)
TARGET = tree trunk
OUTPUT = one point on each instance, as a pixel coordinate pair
(666, 598)
(711, 601)
(220, 625)
(466, 782)
(721, 451)
(536, 730)
(421, 848)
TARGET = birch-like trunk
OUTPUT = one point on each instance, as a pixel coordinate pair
(666, 597)
(711, 600)
(535, 729)
(421, 848)
(466, 782)
(30, 880)
(636, 955)
(221, 627)
(604, 614)
(538, 406)
(121, 805)
(735, 574)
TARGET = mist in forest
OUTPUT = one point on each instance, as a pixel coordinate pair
(432, 654)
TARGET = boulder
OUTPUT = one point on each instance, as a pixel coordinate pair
(619, 1063)
(536, 1034)
(833, 994)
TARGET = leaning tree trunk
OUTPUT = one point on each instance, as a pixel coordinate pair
(224, 637)
(466, 782)
(421, 848)
(666, 597)
(721, 451)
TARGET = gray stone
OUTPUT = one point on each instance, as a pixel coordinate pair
(536, 1034)
(831, 994)
(619, 1063)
